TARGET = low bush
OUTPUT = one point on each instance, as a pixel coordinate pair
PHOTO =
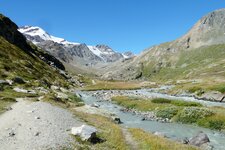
(192, 114)
(216, 122)
(175, 102)
(220, 88)
(168, 112)
(185, 103)
(161, 101)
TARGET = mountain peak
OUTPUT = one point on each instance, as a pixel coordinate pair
(209, 30)
(70, 51)
(38, 35)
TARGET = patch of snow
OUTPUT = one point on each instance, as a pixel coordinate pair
(95, 50)
(37, 31)
(125, 56)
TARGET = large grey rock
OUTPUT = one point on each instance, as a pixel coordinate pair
(200, 139)
(213, 96)
(85, 132)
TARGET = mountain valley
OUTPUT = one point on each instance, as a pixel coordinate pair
(56, 94)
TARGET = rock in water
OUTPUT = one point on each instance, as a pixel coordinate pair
(85, 132)
(200, 139)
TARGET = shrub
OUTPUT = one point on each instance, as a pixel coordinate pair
(220, 88)
(216, 122)
(161, 101)
(193, 114)
(175, 102)
(185, 103)
(168, 112)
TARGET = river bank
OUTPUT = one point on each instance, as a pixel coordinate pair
(173, 131)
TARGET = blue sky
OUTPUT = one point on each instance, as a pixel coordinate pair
(122, 24)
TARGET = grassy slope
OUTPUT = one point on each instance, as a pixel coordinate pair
(15, 62)
(206, 63)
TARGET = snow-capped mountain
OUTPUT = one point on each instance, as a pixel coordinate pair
(37, 35)
(69, 51)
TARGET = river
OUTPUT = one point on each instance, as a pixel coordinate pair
(173, 131)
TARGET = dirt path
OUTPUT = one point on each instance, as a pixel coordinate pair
(36, 126)
(129, 139)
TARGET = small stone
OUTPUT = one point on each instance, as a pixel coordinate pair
(37, 134)
(12, 133)
(37, 117)
(30, 111)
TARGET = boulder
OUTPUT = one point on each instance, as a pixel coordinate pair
(213, 96)
(206, 146)
(85, 132)
(18, 80)
(200, 139)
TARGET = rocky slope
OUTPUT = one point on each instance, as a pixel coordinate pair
(19, 58)
(70, 52)
(198, 54)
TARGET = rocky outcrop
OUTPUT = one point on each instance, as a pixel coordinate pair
(108, 54)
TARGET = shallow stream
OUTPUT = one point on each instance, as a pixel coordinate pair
(174, 131)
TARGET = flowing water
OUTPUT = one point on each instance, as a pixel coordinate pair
(174, 131)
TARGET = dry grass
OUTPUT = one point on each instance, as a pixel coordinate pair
(148, 141)
(117, 85)
(108, 131)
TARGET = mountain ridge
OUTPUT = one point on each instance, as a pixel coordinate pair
(159, 59)
(99, 53)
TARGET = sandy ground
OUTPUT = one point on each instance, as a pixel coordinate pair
(36, 126)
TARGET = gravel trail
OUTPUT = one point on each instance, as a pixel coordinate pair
(129, 139)
(36, 126)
